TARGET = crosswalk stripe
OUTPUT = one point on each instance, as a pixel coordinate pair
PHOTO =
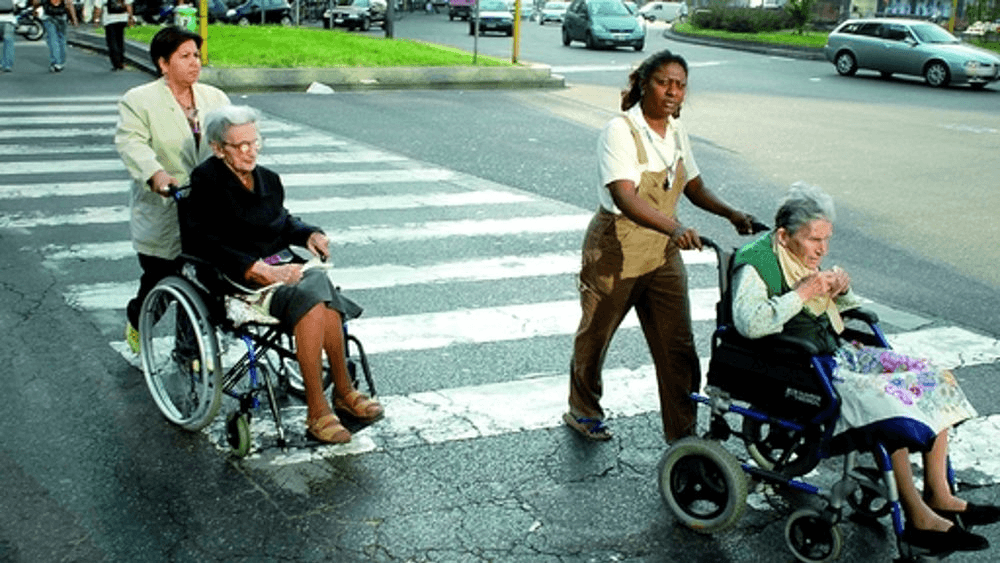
(120, 213)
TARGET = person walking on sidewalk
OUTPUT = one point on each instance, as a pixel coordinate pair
(631, 250)
(7, 23)
(159, 141)
(117, 16)
(54, 18)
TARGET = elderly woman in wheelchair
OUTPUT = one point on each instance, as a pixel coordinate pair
(235, 219)
(853, 396)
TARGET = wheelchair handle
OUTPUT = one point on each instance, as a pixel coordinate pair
(755, 227)
(176, 192)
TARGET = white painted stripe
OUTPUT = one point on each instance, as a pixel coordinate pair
(537, 402)
(23, 134)
(59, 100)
(115, 164)
(58, 120)
(68, 189)
(120, 213)
(50, 108)
(356, 155)
(494, 324)
(368, 177)
(116, 295)
(569, 69)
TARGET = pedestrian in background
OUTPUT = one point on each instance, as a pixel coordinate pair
(631, 250)
(7, 22)
(117, 16)
(159, 140)
(54, 17)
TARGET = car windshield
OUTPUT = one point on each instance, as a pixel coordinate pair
(609, 9)
(492, 7)
(555, 6)
(931, 33)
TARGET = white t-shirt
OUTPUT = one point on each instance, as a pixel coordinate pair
(108, 17)
(618, 159)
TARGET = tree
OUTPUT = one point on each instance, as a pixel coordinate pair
(801, 13)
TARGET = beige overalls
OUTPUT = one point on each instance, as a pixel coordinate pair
(626, 265)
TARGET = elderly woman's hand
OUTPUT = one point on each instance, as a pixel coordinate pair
(840, 281)
(262, 273)
(319, 245)
(813, 285)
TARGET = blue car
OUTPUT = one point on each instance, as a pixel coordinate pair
(602, 23)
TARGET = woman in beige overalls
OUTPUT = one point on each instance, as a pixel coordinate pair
(631, 252)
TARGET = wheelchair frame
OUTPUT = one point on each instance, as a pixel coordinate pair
(706, 487)
(182, 360)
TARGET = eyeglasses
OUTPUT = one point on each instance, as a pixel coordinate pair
(245, 146)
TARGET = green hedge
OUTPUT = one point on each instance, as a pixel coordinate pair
(741, 20)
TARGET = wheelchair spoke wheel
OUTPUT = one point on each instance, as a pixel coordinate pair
(179, 350)
(703, 485)
(779, 449)
(811, 538)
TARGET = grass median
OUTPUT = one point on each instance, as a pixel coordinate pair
(272, 46)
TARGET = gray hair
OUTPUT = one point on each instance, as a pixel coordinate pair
(803, 203)
(220, 120)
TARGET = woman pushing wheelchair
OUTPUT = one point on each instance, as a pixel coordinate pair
(236, 218)
(779, 287)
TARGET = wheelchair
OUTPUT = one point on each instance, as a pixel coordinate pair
(200, 343)
(774, 397)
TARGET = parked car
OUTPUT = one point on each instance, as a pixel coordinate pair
(553, 12)
(216, 10)
(602, 23)
(275, 11)
(356, 14)
(914, 47)
(664, 11)
(461, 9)
(493, 16)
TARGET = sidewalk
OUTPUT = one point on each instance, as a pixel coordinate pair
(354, 78)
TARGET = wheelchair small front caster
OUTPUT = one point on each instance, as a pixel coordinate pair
(812, 538)
(238, 433)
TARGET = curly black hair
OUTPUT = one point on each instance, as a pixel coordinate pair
(640, 76)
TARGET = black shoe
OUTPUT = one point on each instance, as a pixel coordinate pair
(955, 539)
(973, 515)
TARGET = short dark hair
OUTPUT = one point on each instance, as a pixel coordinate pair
(166, 42)
(640, 76)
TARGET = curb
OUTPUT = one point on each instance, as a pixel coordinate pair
(344, 78)
(806, 53)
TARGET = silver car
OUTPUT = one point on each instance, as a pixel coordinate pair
(919, 48)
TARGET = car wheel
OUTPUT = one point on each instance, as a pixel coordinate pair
(885, 74)
(541, 22)
(286, 21)
(846, 64)
(510, 32)
(326, 23)
(589, 40)
(566, 39)
(243, 21)
(639, 46)
(977, 85)
(472, 29)
(936, 74)
(366, 24)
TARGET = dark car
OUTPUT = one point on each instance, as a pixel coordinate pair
(493, 16)
(355, 14)
(915, 47)
(275, 11)
(602, 23)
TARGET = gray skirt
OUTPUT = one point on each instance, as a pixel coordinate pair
(291, 302)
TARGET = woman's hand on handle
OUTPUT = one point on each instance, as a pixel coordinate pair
(744, 223)
(686, 238)
(160, 182)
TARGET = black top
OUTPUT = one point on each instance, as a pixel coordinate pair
(232, 228)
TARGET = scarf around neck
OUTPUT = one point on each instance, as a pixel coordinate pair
(794, 270)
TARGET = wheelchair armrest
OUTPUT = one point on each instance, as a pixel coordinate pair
(792, 345)
(864, 315)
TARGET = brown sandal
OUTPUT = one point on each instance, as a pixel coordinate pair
(328, 429)
(360, 406)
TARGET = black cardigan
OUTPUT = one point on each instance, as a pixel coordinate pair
(232, 228)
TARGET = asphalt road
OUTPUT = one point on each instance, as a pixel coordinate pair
(94, 473)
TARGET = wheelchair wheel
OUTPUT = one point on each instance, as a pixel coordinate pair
(238, 433)
(768, 443)
(703, 485)
(180, 354)
(811, 538)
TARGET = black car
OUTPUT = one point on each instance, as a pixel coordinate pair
(275, 11)
(355, 14)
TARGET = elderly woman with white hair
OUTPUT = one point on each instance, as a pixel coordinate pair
(236, 219)
(780, 287)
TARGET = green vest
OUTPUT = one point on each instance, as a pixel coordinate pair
(760, 254)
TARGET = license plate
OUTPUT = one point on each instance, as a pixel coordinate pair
(338, 20)
(621, 36)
